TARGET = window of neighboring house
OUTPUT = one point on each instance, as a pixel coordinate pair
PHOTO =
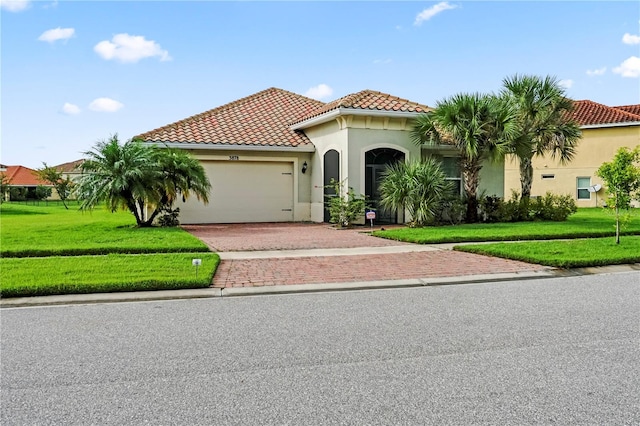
(583, 188)
(451, 169)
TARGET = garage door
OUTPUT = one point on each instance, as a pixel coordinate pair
(242, 191)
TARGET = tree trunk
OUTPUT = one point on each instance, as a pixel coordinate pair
(526, 176)
(471, 177)
(132, 208)
(149, 222)
(617, 224)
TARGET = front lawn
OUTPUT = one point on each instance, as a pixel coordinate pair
(586, 223)
(565, 254)
(53, 230)
(94, 252)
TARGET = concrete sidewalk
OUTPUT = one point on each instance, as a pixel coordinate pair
(84, 299)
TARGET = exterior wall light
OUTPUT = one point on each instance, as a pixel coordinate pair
(304, 167)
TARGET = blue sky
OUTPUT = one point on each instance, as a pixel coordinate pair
(75, 72)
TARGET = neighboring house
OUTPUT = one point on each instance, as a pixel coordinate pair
(71, 170)
(23, 177)
(604, 130)
(270, 155)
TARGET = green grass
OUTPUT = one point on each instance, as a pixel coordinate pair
(48, 250)
(565, 254)
(53, 230)
(102, 274)
(586, 223)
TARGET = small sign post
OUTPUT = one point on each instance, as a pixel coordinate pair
(371, 215)
(196, 263)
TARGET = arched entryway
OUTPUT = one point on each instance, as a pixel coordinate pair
(331, 170)
(376, 162)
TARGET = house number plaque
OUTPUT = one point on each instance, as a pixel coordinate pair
(234, 157)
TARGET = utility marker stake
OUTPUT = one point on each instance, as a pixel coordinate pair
(196, 263)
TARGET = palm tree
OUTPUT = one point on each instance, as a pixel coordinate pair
(544, 125)
(479, 126)
(181, 174)
(417, 186)
(139, 178)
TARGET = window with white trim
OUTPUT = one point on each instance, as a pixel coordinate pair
(451, 169)
(583, 184)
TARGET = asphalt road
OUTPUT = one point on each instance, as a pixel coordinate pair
(554, 351)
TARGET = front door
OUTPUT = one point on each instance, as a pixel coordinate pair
(376, 162)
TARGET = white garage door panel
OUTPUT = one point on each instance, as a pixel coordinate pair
(244, 192)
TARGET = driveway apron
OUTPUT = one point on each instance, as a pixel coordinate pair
(267, 254)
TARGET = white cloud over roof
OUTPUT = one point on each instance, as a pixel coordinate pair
(321, 91)
(630, 39)
(597, 71)
(567, 83)
(432, 11)
(130, 48)
(105, 105)
(629, 68)
(70, 109)
(57, 34)
(14, 5)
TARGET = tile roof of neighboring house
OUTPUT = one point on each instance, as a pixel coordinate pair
(587, 113)
(23, 176)
(633, 109)
(260, 119)
(70, 167)
(369, 100)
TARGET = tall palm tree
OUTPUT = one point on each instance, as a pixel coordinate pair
(139, 178)
(544, 124)
(479, 126)
(417, 186)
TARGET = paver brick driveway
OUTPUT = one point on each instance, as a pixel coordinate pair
(325, 266)
(283, 236)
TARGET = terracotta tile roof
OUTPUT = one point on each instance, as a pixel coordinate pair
(22, 176)
(633, 109)
(261, 119)
(369, 100)
(70, 167)
(591, 113)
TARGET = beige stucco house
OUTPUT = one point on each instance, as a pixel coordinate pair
(604, 130)
(270, 155)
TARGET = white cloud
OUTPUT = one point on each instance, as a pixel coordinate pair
(630, 39)
(129, 48)
(70, 109)
(382, 61)
(105, 105)
(629, 68)
(14, 5)
(57, 34)
(567, 84)
(320, 91)
(598, 71)
(429, 13)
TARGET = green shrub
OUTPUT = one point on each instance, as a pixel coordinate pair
(452, 211)
(169, 217)
(17, 193)
(41, 192)
(490, 208)
(553, 207)
(417, 186)
(344, 210)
